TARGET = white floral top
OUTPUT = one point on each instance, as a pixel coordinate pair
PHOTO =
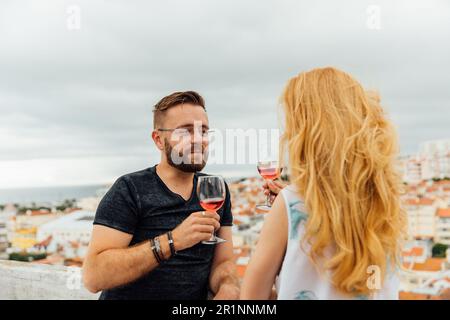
(299, 278)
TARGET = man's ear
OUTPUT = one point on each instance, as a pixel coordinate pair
(157, 139)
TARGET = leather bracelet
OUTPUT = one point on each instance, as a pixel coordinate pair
(171, 243)
(159, 249)
(155, 253)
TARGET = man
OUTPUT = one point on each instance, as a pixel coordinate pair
(123, 260)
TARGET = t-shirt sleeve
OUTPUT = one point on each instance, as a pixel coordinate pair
(227, 216)
(119, 208)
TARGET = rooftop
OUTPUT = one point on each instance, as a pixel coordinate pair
(430, 265)
(443, 213)
(80, 219)
(419, 201)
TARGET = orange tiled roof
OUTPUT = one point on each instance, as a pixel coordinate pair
(403, 295)
(443, 213)
(426, 201)
(411, 201)
(431, 264)
(420, 202)
(415, 251)
(39, 212)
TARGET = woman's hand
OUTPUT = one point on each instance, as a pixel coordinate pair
(273, 188)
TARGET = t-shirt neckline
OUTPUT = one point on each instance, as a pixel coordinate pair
(161, 182)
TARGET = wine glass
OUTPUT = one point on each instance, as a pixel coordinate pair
(269, 170)
(211, 193)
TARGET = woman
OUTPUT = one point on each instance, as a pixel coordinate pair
(334, 232)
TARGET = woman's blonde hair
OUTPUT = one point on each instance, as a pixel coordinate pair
(342, 154)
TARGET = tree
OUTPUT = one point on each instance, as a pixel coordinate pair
(439, 250)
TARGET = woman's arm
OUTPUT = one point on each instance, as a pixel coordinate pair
(268, 256)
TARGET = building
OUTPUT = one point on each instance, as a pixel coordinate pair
(73, 227)
(23, 229)
(417, 251)
(421, 218)
(66, 239)
(431, 162)
(435, 159)
(443, 226)
(423, 277)
(413, 169)
(3, 238)
(419, 276)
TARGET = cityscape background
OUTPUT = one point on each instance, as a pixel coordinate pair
(58, 232)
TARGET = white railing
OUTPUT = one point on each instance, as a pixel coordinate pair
(30, 281)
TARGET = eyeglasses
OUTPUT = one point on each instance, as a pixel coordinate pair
(187, 131)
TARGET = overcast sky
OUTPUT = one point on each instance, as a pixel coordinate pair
(75, 104)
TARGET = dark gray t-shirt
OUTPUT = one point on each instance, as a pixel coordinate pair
(141, 204)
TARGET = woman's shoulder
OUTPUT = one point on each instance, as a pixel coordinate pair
(295, 209)
(290, 193)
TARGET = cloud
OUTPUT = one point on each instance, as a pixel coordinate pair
(88, 93)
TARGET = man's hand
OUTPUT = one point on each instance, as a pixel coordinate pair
(223, 279)
(273, 188)
(195, 228)
(227, 291)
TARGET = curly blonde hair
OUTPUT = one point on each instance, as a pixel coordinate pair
(342, 158)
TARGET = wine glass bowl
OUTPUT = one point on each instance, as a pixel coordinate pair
(269, 170)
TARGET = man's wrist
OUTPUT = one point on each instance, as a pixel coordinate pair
(176, 241)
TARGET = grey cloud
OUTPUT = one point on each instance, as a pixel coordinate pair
(90, 92)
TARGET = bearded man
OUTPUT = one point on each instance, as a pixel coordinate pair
(149, 227)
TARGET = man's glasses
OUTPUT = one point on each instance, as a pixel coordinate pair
(187, 131)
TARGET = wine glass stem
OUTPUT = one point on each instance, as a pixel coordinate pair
(213, 235)
(268, 196)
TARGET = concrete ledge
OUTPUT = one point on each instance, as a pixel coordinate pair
(30, 281)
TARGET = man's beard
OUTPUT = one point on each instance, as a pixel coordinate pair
(184, 158)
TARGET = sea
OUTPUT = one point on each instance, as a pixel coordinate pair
(50, 194)
(57, 194)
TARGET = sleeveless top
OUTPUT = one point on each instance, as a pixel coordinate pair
(299, 278)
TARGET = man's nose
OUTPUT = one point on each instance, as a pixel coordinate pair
(197, 137)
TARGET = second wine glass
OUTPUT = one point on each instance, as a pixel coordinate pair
(269, 170)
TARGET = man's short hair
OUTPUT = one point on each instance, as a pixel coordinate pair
(173, 100)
